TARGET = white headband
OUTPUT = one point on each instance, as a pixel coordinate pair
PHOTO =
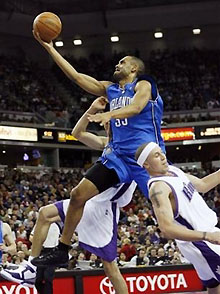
(145, 152)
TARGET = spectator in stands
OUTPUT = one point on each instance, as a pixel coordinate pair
(153, 235)
(161, 257)
(132, 218)
(141, 259)
(153, 256)
(122, 260)
(128, 249)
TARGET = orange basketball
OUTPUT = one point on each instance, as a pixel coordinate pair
(48, 25)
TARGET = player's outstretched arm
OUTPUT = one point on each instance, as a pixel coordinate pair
(89, 84)
(207, 183)
(160, 197)
(140, 100)
(87, 138)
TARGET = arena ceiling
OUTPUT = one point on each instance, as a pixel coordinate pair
(63, 7)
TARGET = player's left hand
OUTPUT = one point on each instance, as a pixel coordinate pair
(44, 44)
(101, 118)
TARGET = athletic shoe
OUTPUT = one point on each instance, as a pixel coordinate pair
(55, 258)
(24, 275)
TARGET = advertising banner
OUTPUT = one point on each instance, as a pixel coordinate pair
(61, 285)
(178, 134)
(207, 132)
(149, 282)
(18, 133)
(13, 288)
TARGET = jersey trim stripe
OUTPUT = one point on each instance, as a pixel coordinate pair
(121, 191)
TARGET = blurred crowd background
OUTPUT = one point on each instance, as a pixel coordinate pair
(187, 80)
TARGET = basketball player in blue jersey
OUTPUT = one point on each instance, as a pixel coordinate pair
(135, 116)
(182, 214)
(7, 243)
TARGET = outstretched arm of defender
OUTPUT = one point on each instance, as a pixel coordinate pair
(160, 194)
(87, 138)
(206, 183)
(89, 84)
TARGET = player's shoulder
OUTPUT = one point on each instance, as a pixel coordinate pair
(106, 84)
(159, 187)
(157, 183)
(143, 83)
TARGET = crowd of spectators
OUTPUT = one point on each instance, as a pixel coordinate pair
(187, 79)
(24, 87)
(140, 243)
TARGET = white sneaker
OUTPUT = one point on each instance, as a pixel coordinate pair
(24, 275)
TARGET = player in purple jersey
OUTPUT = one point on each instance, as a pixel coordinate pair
(182, 213)
(129, 99)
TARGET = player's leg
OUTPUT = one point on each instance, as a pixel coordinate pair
(113, 273)
(215, 290)
(47, 215)
(97, 179)
(27, 274)
(79, 195)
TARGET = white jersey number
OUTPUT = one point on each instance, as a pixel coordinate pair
(121, 122)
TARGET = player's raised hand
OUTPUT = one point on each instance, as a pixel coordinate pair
(101, 118)
(44, 44)
(99, 103)
(213, 237)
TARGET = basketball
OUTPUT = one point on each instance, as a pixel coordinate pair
(48, 25)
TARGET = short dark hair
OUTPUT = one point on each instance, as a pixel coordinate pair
(140, 149)
(140, 64)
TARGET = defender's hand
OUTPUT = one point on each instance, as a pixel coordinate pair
(101, 118)
(99, 103)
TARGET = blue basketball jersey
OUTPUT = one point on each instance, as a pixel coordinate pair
(129, 133)
(1, 239)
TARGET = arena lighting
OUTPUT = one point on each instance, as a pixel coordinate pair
(158, 35)
(59, 43)
(200, 147)
(196, 31)
(177, 148)
(77, 42)
(3, 151)
(114, 39)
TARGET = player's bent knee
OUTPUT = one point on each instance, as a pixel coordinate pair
(77, 198)
(43, 214)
